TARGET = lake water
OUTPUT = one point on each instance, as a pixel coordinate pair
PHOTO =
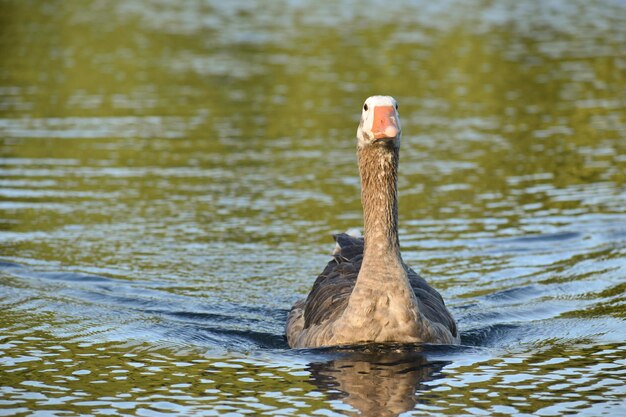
(171, 174)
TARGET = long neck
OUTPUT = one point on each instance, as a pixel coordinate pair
(378, 166)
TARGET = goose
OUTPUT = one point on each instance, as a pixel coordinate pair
(366, 293)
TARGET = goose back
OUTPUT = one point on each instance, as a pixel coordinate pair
(332, 289)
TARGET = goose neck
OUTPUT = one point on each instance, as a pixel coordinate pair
(378, 167)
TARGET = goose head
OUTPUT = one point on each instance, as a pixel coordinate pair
(380, 123)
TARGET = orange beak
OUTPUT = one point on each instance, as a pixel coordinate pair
(384, 125)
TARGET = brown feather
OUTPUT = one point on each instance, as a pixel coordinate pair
(332, 288)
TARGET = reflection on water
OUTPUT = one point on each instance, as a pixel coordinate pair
(171, 173)
(379, 383)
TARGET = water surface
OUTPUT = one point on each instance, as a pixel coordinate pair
(171, 174)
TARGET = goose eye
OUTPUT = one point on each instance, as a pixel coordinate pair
(365, 107)
(396, 106)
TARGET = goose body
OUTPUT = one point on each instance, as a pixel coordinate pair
(366, 294)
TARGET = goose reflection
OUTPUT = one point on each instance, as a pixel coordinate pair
(376, 383)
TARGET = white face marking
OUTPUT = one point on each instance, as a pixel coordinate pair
(364, 133)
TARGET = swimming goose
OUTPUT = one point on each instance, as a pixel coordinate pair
(366, 294)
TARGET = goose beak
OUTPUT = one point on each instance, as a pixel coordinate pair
(384, 125)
